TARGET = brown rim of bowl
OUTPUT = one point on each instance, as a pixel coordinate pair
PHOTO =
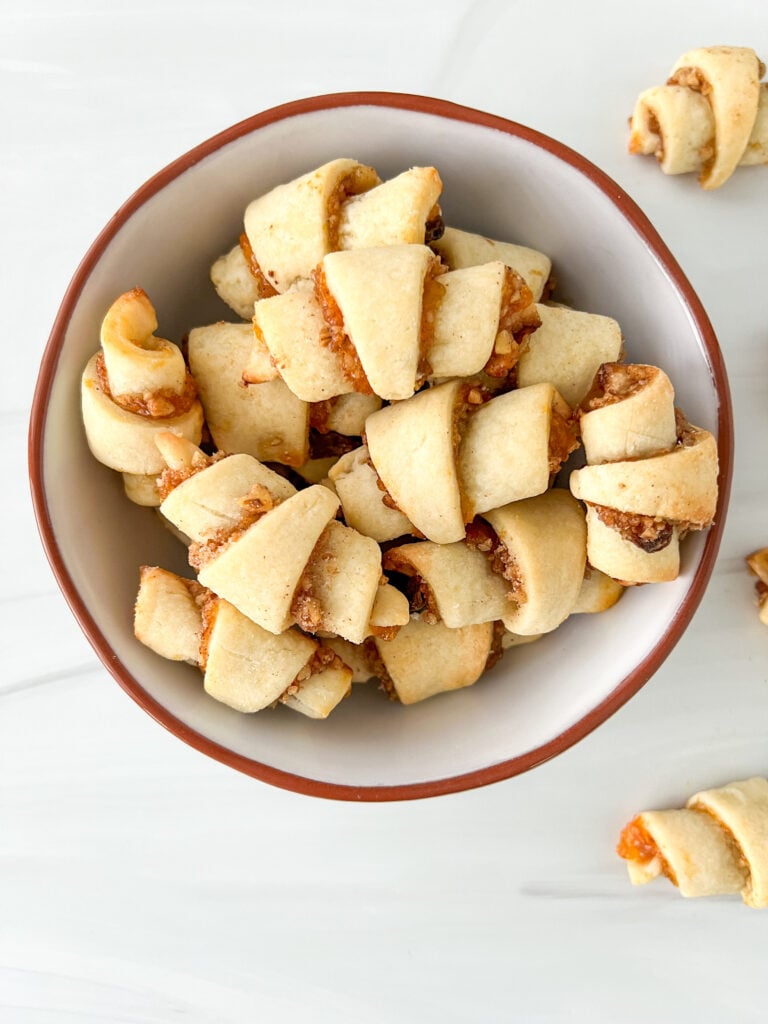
(482, 776)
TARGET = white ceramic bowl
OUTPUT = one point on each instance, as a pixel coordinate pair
(500, 179)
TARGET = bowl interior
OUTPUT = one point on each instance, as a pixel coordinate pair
(509, 184)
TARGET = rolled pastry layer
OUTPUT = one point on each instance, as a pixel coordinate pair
(367, 326)
(125, 440)
(650, 477)
(260, 569)
(717, 844)
(136, 386)
(265, 420)
(402, 210)
(679, 485)
(628, 413)
(598, 592)
(378, 303)
(540, 546)
(567, 350)
(482, 317)
(450, 583)
(337, 590)
(711, 116)
(244, 666)
(273, 552)
(412, 446)
(512, 446)
(340, 206)
(446, 455)
(168, 613)
(464, 249)
(291, 331)
(364, 500)
(248, 668)
(425, 659)
(344, 414)
(292, 227)
(236, 283)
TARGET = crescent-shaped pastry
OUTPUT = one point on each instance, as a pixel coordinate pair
(260, 569)
(401, 210)
(413, 448)
(650, 477)
(567, 350)
(676, 125)
(135, 387)
(717, 844)
(249, 668)
(292, 227)
(341, 205)
(758, 565)
(481, 321)
(167, 615)
(450, 583)
(445, 455)
(292, 331)
(265, 420)
(365, 503)
(208, 499)
(711, 116)
(512, 446)
(629, 413)
(274, 552)
(425, 659)
(465, 249)
(678, 485)
(244, 666)
(337, 590)
(379, 305)
(368, 326)
(539, 545)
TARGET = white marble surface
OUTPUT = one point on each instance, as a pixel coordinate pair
(141, 881)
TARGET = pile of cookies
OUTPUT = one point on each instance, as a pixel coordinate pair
(398, 459)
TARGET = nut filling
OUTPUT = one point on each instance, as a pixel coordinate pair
(646, 532)
(160, 404)
(419, 593)
(518, 318)
(482, 536)
(255, 504)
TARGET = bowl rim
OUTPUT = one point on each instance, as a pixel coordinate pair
(622, 692)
